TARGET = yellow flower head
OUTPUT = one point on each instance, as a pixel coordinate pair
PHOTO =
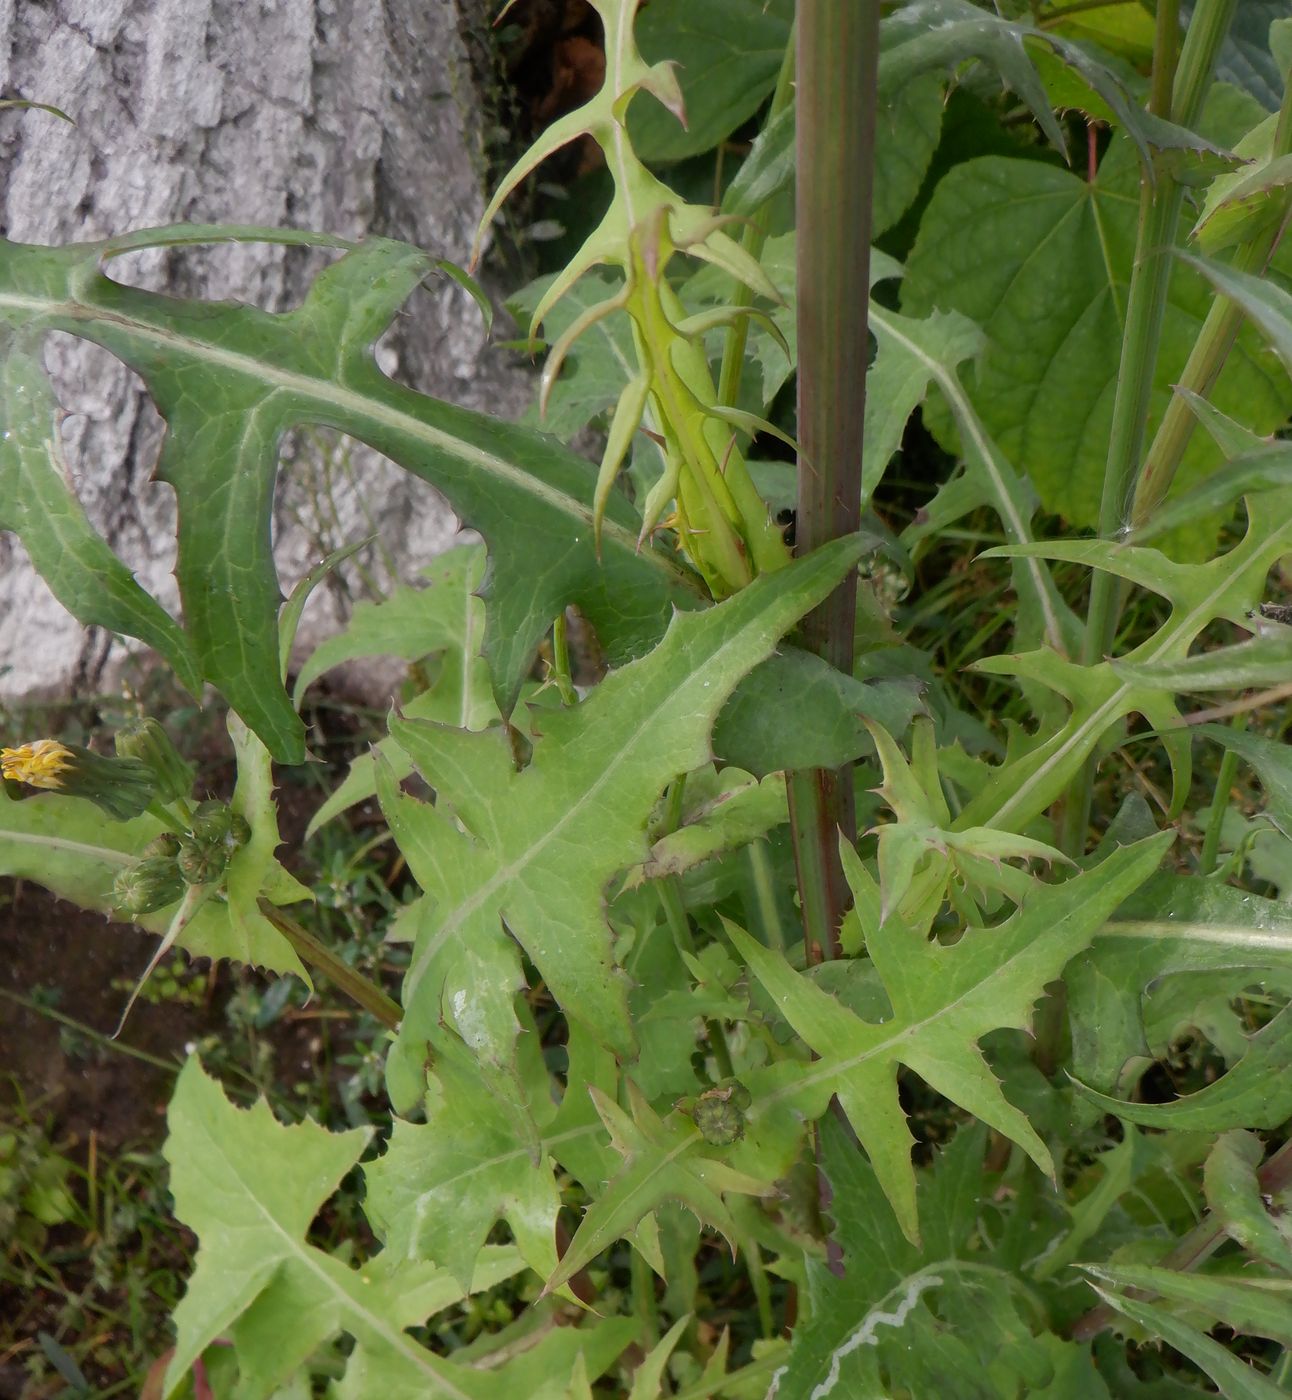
(39, 764)
(122, 787)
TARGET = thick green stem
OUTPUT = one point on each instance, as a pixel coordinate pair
(1166, 55)
(837, 67)
(1160, 203)
(354, 984)
(675, 915)
(1210, 351)
(1145, 311)
(1208, 26)
(820, 807)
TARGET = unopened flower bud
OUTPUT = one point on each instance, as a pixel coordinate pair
(165, 843)
(211, 821)
(147, 741)
(719, 1116)
(122, 787)
(201, 862)
(239, 831)
(217, 823)
(146, 886)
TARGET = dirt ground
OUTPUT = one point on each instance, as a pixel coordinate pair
(48, 946)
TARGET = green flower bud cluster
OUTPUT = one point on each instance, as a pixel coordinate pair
(215, 833)
(171, 863)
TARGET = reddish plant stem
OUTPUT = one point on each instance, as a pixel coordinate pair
(836, 75)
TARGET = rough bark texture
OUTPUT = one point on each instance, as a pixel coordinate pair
(350, 116)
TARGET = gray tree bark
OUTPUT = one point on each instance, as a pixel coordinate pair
(349, 116)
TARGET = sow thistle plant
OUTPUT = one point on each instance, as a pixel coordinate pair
(610, 1048)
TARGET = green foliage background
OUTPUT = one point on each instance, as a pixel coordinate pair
(1031, 1123)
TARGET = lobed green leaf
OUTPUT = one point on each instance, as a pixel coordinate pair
(945, 998)
(231, 380)
(538, 847)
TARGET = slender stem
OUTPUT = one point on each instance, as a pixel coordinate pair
(644, 1303)
(354, 984)
(1159, 216)
(752, 240)
(1145, 312)
(670, 898)
(1257, 701)
(1210, 351)
(1197, 1246)
(837, 65)
(104, 1041)
(1219, 805)
(675, 915)
(762, 1289)
(1174, 433)
(760, 870)
(561, 660)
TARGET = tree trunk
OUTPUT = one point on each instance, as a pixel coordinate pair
(350, 116)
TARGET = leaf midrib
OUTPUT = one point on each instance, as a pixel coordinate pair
(1224, 935)
(303, 1253)
(487, 1164)
(58, 843)
(1188, 626)
(505, 875)
(828, 1070)
(333, 396)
